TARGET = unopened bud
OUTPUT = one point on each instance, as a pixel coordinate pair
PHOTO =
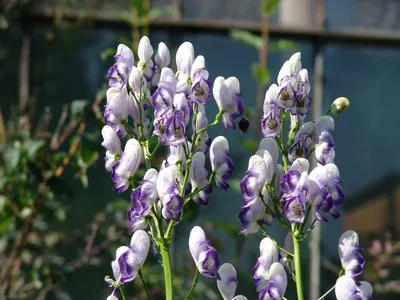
(109, 280)
(339, 105)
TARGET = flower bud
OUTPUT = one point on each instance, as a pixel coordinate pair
(339, 105)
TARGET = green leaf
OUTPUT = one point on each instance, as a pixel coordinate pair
(249, 144)
(104, 55)
(270, 6)
(227, 227)
(282, 45)
(32, 146)
(260, 73)
(77, 108)
(248, 38)
(12, 157)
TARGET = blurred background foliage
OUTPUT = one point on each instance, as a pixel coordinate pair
(60, 223)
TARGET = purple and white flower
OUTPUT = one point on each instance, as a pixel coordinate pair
(119, 72)
(227, 283)
(112, 143)
(129, 259)
(347, 288)
(126, 167)
(323, 138)
(201, 86)
(326, 191)
(116, 110)
(162, 59)
(198, 178)
(271, 123)
(221, 163)
(349, 252)
(169, 193)
(184, 62)
(163, 97)
(144, 196)
(229, 100)
(145, 63)
(204, 141)
(203, 254)
(268, 274)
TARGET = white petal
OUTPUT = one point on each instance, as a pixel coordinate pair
(324, 123)
(114, 264)
(167, 80)
(219, 91)
(135, 79)
(333, 171)
(166, 178)
(284, 71)
(269, 163)
(112, 297)
(132, 156)
(151, 175)
(228, 283)
(233, 84)
(279, 274)
(271, 95)
(111, 140)
(163, 57)
(319, 175)
(145, 50)
(240, 297)
(198, 173)
(345, 287)
(271, 146)
(185, 58)
(303, 77)
(366, 290)
(199, 64)
(347, 243)
(301, 165)
(295, 64)
(218, 146)
(140, 245)
(126, 53)
(196, 238)
(119, 101)
(307, 129)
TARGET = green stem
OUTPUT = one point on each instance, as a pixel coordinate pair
(166, 262)
(144, 284)
(121, 291)
(297, 266)
(326, 294)
(195, 279)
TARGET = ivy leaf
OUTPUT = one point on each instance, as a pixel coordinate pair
(248, 38)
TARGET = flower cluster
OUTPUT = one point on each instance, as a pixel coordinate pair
(150, 106)
(292, 192)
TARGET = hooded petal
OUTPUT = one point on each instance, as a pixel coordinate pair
(269, 163)
(221, 163)
(163, 57)
(271, 146)
(228, 282)
(140, 245)
(145, 50)
(346, 288)
(166, 178)
(111, 140)
(255, 178)
(135, 80)
(197, 238)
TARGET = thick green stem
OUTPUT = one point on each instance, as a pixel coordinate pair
(297, 266)
(121, 291)
(166, 262)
